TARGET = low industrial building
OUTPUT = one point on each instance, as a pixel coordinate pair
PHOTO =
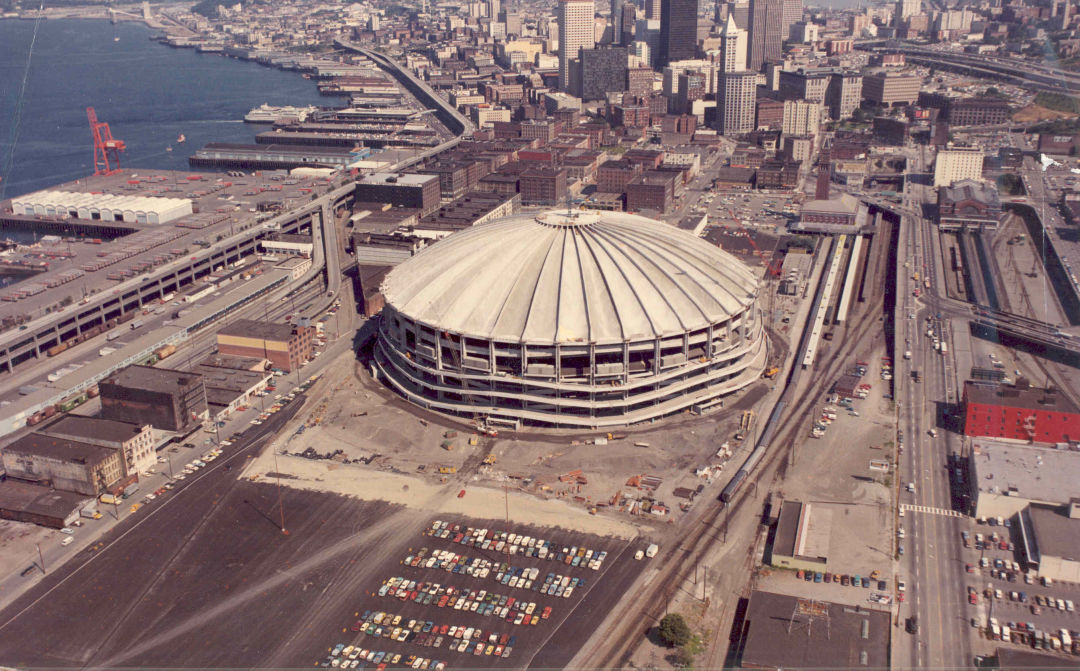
(135, 441)
(102, 207)
(167, 399)
(290, 244)
(285, 346)
(421, 192)
(802, 537)
(37, 504)
(968, 205)
(232, 382)
(1019, 412)
(1004, 478)
(1051, 540)
(472, 209)
(786, 632)
(64, 464)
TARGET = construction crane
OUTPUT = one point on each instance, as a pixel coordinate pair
(104, 144)
(772, 269)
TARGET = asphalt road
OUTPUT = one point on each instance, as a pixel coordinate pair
(931, 565)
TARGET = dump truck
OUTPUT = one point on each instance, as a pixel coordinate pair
(771, 372)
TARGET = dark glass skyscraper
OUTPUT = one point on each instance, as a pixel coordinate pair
(766, 32)
(678, 30)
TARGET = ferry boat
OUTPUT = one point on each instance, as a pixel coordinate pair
(269, 114)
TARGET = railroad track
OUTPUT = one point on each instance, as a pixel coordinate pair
(649, 606)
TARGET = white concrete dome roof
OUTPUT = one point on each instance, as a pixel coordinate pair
(585, 276)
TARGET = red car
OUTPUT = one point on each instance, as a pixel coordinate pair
(461, 494)
(546, 613)
(970, 568)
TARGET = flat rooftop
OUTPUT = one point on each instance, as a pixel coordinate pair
(396, 178)
(1036, 473)
(61, 449)
(1030, 398)
(788, 632)
(91, 429)
(1056, 533)
(147, 378)
(31, 499)
(251, 328)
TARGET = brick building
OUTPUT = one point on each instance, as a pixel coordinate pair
(167, 399)
(613, 176)
(968, 204)
(651, 190)
(543, 186)
(1019, 412)
(284, 345)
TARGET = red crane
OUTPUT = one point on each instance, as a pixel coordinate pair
(104, 143)
(772, 269)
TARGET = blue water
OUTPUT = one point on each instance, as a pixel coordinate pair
(148, 93)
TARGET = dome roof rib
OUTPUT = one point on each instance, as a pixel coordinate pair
(558, 277)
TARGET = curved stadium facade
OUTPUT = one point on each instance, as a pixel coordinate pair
(587, 319)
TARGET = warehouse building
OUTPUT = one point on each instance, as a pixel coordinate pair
(231, 382)
(102, 207)
(285, 346)
(1004, 478)
(802, 537)
(134, 441)
(168, 400)
(786, 632)
(583, 319)
(37, 504)
(1019, 412)
(68, 465)
(1051, 540)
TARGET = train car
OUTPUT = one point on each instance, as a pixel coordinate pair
(748, 466)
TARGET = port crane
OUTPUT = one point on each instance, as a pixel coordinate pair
(104, 145)
(771, 268)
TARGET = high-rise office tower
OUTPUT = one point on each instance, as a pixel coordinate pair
(906, 8)
(736, 87)
(766, 32)
(678, 30)
(575, 19)
(792, 13)
(652, 9)
(732, 47)
(617, 21)
(629, 18)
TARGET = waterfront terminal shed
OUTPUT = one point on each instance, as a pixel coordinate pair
(102, 207)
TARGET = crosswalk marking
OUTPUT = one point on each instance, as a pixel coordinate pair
(931, 510)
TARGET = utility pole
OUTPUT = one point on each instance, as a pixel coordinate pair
(41, 558)
(281, 500)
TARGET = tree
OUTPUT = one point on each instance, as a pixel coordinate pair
(674, 630)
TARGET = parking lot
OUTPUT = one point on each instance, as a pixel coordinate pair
(999, 588)
(482, 595)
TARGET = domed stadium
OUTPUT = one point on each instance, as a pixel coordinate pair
(570, 319)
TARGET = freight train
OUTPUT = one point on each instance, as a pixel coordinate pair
(67, 405)
(755, 457)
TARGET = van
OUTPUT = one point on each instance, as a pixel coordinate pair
(651, 550)
(67, 541)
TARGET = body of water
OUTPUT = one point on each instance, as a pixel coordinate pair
(148, 93)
